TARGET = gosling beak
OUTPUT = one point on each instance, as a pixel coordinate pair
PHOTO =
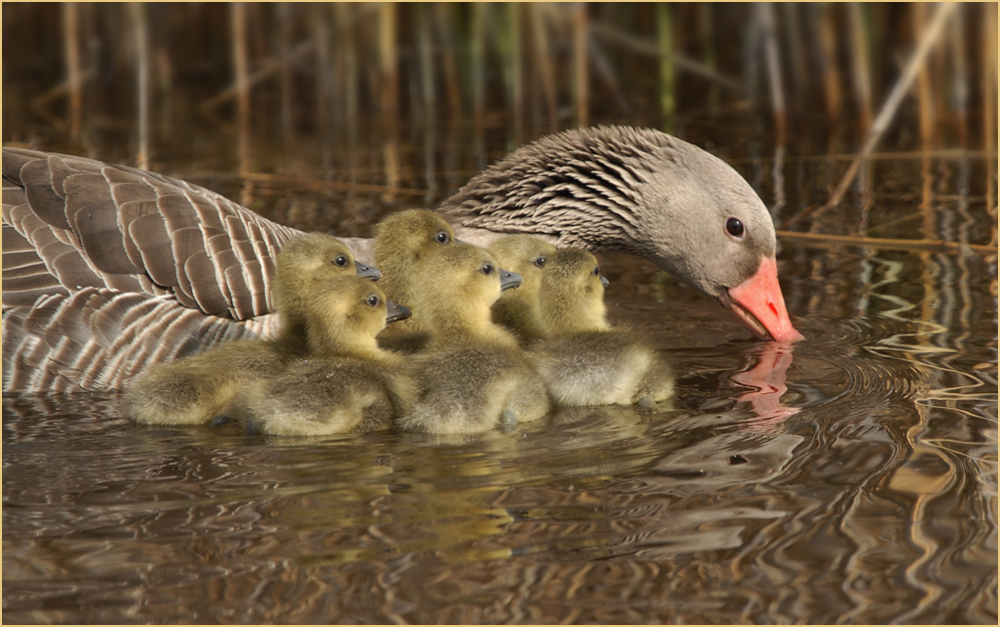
(395, 311)
(758, 303)
(367, 272)
(604, 281)
(509, 279)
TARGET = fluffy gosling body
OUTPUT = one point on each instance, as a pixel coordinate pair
(473, 377)
(587, 362)
(194, 390)
(349, 385)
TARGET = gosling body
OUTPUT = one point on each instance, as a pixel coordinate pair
(195, 389)
(586, 361)
(349, 384)
(473, 377)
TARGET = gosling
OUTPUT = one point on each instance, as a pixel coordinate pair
(518, 310)
(402, 241)
(350, 385)
(473, 377)
(586, 361)
(194, 390)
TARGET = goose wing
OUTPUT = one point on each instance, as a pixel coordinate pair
(98, 338)
(70, 223)
(108, 270)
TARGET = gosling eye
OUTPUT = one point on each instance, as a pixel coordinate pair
(540, 262)
(487, 269)
(443, 237)
(597, 271)
(735, 228)
(374, 300)
(340, 261)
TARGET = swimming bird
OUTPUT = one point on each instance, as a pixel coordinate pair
(643, 192)
(473, 376)
(347, 384)
(92, 248)
(302, 265)
(518, 310)
(586, 361)
(402, 241)
(193, 390)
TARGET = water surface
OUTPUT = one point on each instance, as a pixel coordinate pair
(851, 477)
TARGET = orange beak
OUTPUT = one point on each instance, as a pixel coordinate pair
(759, 304)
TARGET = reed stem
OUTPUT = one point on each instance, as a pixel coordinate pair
(241, 83)
(73, 73)
(860, 55)
(665, 41)
(138, 14)
(891, 105)
(285, 83)
(581, 86)
(543, 62)
(882, 243)
(924, 96)
(765, 12)
(477, 45)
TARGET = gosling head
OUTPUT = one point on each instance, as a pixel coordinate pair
(405, 237)
(344, 315)
(643, 192)
(571, 299)
(518, 310)
(402, 241)
(304, 262)
(457, 287)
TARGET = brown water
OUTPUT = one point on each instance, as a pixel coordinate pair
(851, 478)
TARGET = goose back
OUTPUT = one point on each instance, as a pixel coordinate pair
(109, 269)
(77, 223)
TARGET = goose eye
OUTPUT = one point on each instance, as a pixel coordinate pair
(540, 262)
(443, 238)
(597, 271)
(340, 261)
(735, 228)
(374, 300)
(487, 269)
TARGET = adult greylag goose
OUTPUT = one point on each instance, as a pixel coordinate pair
(196, 388)
(108, 269)
(586, 361)
(473, 376)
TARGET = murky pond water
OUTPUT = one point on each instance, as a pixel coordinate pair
(849, 478)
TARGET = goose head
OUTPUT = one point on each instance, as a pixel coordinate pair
(572, 293)
(402, 241)
(518, 310)
(642, 192)
(457, 287)
(301, 265)
(308, 259)
(344, 315)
